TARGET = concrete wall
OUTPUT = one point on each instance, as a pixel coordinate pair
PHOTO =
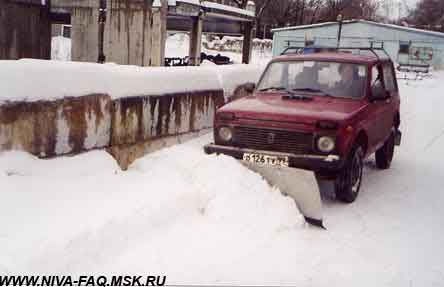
(360, 34)
(25, 31)
(128, 127)
(50, 128)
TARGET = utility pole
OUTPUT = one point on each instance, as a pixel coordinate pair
(102, 20)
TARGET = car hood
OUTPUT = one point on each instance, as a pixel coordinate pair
(273, 107)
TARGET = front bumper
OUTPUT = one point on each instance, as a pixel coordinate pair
(303, 161)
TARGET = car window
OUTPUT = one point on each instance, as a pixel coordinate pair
(345, 80)
(273, 77)
(389, 80)
(376, 76)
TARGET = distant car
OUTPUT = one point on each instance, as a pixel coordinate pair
(324, 112)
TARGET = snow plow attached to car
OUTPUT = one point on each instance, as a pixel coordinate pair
(323, 112)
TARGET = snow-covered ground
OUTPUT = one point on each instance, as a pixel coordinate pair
(208, 220)
(177, 45)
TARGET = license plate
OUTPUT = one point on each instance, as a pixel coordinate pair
(263, 159)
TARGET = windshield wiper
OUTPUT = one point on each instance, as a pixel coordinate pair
(297, 97)
(273, 88)
(311, 90)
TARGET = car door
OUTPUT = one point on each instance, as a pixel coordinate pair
(390, 105)
(378, 126)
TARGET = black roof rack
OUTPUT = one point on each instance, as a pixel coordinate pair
(317, 49)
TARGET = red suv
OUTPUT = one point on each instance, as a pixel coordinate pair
(324, 112)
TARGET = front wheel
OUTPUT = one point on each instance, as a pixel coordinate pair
(348, 181)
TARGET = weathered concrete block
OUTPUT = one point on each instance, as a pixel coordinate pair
(125, 155)
(50, 128)
(139, 119)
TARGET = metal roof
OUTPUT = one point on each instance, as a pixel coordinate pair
(391, 26)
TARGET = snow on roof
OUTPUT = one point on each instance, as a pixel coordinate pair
(303, 26)
(403, 28)
(192, 2)
(408, 29)
(213, 5)
(34, 80)
(232, 9)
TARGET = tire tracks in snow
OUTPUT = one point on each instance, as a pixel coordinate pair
(434, 140)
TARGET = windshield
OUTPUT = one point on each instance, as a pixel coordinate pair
(323, 78)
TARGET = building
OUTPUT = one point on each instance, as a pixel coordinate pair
(404, 45)
(127, 32)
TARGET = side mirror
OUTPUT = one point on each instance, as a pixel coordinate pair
(249, 87)
(379, 93)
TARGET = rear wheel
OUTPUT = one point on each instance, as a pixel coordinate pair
(348, 181)
(384, 155)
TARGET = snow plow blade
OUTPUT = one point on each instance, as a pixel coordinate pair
(299, 184)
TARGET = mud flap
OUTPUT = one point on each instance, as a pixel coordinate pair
(299, 184)
(398, 136)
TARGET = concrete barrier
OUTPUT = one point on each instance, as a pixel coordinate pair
(138, 119)
(51, 128)
(68, 108)
(127, 127)
(145, 124)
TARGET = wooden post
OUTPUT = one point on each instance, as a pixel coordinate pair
(102, 19)
(158, 37)
(248, 43)
(196, 41)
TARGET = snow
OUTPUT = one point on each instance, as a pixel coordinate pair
(398, 27)
(55, 80)
(209, 220)
(177, 45)
(193, 2)
(222, 7)
(85, 217)
(212, 5)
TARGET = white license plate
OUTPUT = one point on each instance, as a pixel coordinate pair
(263, 159)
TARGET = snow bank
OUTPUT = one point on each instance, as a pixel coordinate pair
(33, 80)
(64, 216)
(206, 220)
(233, 76)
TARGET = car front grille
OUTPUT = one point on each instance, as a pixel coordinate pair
(273, 140)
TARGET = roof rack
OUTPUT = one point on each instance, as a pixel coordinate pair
(317, 49)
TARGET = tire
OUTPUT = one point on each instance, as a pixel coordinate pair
(348, 182)
(384, 155)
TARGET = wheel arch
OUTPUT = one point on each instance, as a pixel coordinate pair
(362, 140)
(397, 120)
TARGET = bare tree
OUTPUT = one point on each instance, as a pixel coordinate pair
(350, 9)
(428, 14)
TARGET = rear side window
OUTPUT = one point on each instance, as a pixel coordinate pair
(389, 79)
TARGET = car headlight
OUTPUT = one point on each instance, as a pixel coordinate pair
(224, 116)
(225, 134)
(326, 144)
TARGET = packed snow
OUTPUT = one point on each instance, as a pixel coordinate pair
(177, 45)
(55, 80)
(209, 220)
